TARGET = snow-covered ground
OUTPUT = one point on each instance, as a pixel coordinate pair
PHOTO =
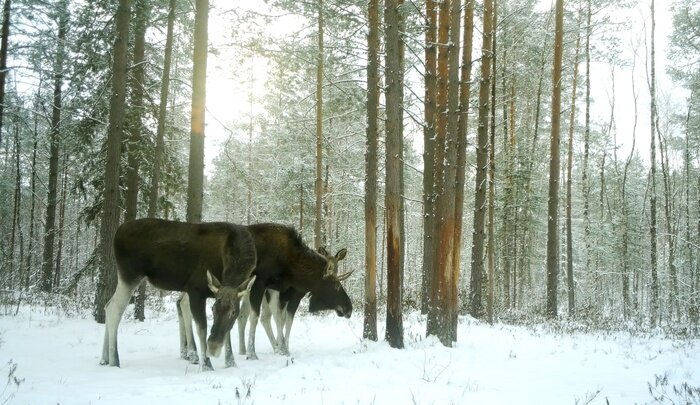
(48, 358)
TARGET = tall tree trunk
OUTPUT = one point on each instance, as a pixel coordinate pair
(429, 157)
(107, 281)
(490, 232)
(477, 261)
(446, 166)
(569, 166)
(135, 127)
(393, 27)
(50, 224)
(162, 112)
(61, 228)
(17, 203)
(435, 321)
(30, 248)
(460, 177)
(585, 182)
(654, 300)
(4, 43)
(370, 319)
(554, 167)
(318, 222)
(195, 183)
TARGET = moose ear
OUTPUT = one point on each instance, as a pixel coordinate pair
(245, 292)
(341, 254)
(322, 250)
(213, 282)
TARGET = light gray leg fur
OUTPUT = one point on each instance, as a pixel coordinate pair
(267, 309)
(253, 324)
(188, 347)
(242, 320)
(113, 315)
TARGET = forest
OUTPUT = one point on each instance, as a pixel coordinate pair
(516, 161)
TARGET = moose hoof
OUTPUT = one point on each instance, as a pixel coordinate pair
(229, 363)
(193, 358)
(206, 366)
(251, 356)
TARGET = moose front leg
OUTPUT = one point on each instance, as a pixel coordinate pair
(188, 348)
(197, 304)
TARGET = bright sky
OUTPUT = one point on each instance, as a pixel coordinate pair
(228, 99)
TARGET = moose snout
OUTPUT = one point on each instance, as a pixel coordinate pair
(214, 348)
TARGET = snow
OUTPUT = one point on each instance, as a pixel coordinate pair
(57, 357)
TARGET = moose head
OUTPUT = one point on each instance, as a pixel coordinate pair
(329, 293)
(225, 310)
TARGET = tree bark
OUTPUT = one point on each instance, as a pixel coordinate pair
(554, 167)
(107, 281)
(50, 224)
(569, 170)
(162, 113)
(318, 222)
(370, 318)
(195, 183)
(4, 43)
(429, 156)
(477, 261)
(654, 299)
(135, 126)
(393, 27)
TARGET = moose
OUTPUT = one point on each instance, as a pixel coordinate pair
(286, 270)
(282, 307)
(204, 260)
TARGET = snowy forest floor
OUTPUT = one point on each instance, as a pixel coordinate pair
(47, 357)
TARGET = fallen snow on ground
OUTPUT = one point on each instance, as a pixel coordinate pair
(50, 358)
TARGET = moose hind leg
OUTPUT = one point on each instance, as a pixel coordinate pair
(270, 307)
(113, 314)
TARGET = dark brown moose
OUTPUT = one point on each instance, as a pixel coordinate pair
(283, 307)
(204, 260)
(287, 265)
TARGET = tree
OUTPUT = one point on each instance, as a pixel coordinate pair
(393, 27)
(478, 235)
(318, 187)
(162, 112)
(135, 128)
(654, 299)
(554, 167)
(370, 320)
(107, 281)
(429, 156)
(195, 182)
(569, 170)
(51, 199)
(4, 43)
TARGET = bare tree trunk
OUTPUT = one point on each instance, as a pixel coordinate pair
(136, 127)
(107, 280)
(554, 167)
(162, 113)
(654, 301)
(585, 182)
(477, 262)
(370, 318)
(569, 166)
(16, 216)
(4, 42)
(50, 224)
(429, 157)
(318, 236)
(61, 228)
(491, 237)
(195, 184)
(393, 27)
(460, 181)
(30, 247)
